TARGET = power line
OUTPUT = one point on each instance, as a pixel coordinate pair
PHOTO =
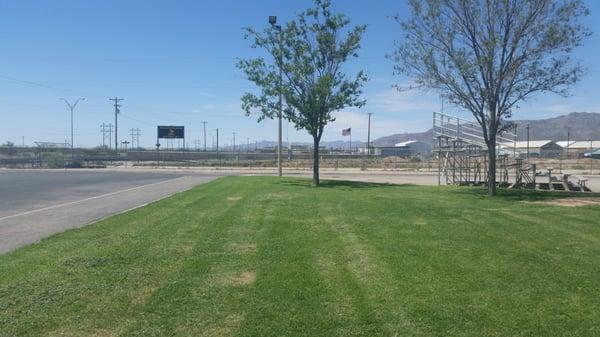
(116, 101)
(369, 135)
(106, 130)
(110, 130)
(103, 130)
(204, 124)
(71, 108)
(233, 141)
(135, 137)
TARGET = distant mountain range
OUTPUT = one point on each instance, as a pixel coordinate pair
(426, 137)
(337, 144)
(582, 125)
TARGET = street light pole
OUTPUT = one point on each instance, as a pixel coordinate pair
(591, 157)
(369, 135)
(234, 142)
(71, 108)
(217, 143)
(204, 123)
(273, 22)
(527, 143)
(568, 141)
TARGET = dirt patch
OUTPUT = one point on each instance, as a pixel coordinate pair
(571, 202)
(229, 326)
(96, 333)
(234, 199)
(278, 196)
(186, 249)
(143, 294)
(244, 278)
(242, 248)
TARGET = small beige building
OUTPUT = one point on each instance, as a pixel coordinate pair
(579, 146)
(537, 148)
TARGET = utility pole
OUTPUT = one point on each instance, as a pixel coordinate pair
(515, 138)
(369, 135)
(591, 157)
(217, 143)
(204, 125)
(72, 107)
(132, 134)
(137, 137)
(110, 130)
(125, 144)
(103, 130)
(528, 144)
(234, 142)
(116, 104)
(273, 22)
(568, 141)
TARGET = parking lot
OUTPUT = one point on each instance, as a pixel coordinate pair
(37, 203)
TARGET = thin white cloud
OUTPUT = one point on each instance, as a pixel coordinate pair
(380, 125)
(392, 100)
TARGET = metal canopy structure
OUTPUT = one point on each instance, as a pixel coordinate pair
(52, 145)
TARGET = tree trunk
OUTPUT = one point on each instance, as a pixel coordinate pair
(492, 167)
(316, 181)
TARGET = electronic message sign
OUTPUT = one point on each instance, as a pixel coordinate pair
(171, 132)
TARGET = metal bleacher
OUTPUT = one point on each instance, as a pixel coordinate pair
(462, 156)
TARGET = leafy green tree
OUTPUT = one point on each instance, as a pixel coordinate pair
(487, 56)
(310, 52)
(10, 147)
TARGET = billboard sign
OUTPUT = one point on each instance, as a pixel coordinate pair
(171, 132)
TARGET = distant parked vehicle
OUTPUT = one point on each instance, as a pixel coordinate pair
(594, 154)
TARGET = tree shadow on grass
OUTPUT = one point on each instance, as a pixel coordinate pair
(339, 184)
(521, 194)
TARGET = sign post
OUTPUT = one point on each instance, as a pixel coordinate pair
(168, 132)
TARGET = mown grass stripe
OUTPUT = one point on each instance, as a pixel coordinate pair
(264, 256)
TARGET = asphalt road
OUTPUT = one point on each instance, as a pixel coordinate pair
(37, 203)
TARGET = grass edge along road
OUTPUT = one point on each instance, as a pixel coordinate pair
(262, 256)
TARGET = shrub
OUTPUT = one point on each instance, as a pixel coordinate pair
(56, 160)
(415, 159)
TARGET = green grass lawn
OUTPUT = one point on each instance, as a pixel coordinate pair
(262, 256)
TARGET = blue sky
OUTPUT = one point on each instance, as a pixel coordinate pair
(174, 63)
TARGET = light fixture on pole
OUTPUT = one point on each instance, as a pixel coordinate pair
(71, 108)
(369, 135)
(273, 23)
(527, 143)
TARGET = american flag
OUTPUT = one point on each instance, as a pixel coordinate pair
(347, 132)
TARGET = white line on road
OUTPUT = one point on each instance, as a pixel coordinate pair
(87, 199)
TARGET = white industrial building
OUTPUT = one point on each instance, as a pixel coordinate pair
(536, 148)
(404, 149)
(580, 146)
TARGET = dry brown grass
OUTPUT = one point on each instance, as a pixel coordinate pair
(245, 278)
(571, 202)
